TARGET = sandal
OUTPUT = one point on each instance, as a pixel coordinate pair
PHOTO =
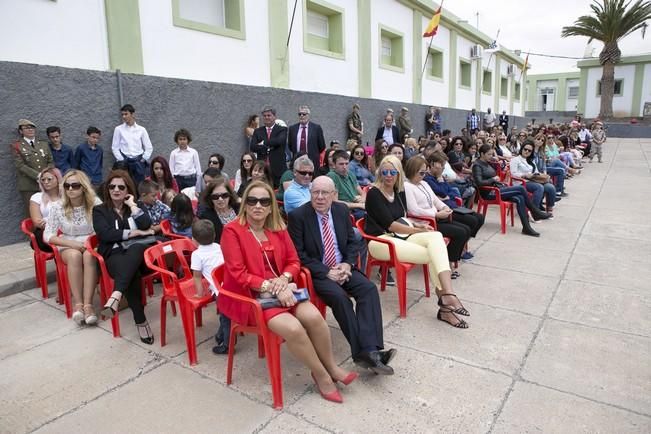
(112, 304)
(148, 337)
(455, 275)
(461, 324)
(78, 314)
(89, 315)
(460, 310)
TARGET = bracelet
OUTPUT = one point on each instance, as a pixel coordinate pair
(265, 286)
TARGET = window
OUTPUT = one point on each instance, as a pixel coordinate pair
(221, 17)
(487, 82)
(435, 63)
(516, 91)
(464, 73)
(573, 92)
(391, 49)
(619, 88)
(504, 87)
(323, 29)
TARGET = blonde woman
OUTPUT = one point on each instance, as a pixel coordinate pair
(386, 207)
(72, 217)
(49, 182)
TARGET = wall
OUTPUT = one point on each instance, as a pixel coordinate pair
(436, 91)
(621, 104)
(571, 103)
(466, 97)
(69, 33)
(213, 112)
(646, 88)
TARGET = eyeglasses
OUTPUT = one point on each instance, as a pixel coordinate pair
(359, 152)
(305, 172)
(422, 173)
(247, 160)
(216, 196)
(213, 162)
(527, 150)
(77, 186)
(253, 201)
(317, 193)
(303, 114)
(120, 187)
(48, 179)
(389, 172)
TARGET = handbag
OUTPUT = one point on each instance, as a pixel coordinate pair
(272, 300)
(148, 240)
(462, 210)
(404, 221)
(541, 178)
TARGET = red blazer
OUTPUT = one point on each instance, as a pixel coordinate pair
(245, 264)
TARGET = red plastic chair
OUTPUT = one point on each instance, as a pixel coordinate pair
(402, 268)
(268, 342)
(505, 206)
(106, 283)
(63, 282)
(166, 229)
(179, 289)
(40, 260)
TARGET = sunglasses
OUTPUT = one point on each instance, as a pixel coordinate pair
(550, 137)
(243, 161)
(264, 201)
(114, 186)
(216, 196)
(213, 162)
(527, 150)
(74, 186)
(422, 173)
(359, 152)
(389, 172)
(47, 179)
(305, 172)
(302, 114)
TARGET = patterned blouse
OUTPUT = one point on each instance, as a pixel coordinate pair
(78, 227)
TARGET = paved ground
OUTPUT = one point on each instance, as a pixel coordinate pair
(560, 341)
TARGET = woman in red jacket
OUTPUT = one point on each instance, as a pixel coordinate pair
(260, 259)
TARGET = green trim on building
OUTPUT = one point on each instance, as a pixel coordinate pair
(561, 95)
(597, 88)
(278, 53)
(468, 76)
(497, 86)
(638, 82)
(452, 76)
(332, 46)
(555, 76)
(234, 26)
(479, 78)
(511, 85)
(583, 91)
(417, 58)
(531, 101)
(435, 63)
(124, 36)
(364, 75)
(395, 62)
(588, 63)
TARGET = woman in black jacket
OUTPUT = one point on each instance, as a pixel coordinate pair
(219, 205)
(123, 231)
(484, 175)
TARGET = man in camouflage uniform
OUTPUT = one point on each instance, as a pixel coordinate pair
(355, 125)
(30, 157)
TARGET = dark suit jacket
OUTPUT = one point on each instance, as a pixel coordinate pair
(304, 230)
(109, 226)
(394, 129)
(274, 148)
(315, 141)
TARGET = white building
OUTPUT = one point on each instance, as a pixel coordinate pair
(364, 48)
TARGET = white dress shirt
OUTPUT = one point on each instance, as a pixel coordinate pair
(131, 141)
(298, 136)
(185, 162)
(387, 136)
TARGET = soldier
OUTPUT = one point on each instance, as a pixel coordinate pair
(30, 157)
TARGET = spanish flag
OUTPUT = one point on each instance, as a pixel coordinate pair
(433, 25)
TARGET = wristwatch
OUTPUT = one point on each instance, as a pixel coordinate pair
(288, 275)
(265, 286)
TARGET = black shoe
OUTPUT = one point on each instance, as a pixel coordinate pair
(387, 355)
(220, 349)
(563, 194)
(372, 360)
(145, 333)
(558, 198)
(390, 280)
(529, 231)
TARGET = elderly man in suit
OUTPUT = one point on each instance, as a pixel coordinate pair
(31, 156)
(306, 137)
(388, 132)
(268, 142)
(323, 235)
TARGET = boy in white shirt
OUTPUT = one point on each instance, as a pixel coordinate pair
(184, 161)
(204, 260)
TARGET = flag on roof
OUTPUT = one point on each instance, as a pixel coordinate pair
(492, 45)
(433, 25)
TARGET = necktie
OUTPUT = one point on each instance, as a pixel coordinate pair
(329, 255)
(303, 146)
(31, 143)
(268, 133)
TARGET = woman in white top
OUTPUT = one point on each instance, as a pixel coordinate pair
(422, 201)
(72, 216)
(49, 181)
(538, 184)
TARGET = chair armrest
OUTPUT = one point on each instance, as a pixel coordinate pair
(429, 220)
(520, 180)
(496, 190)
(253, 304)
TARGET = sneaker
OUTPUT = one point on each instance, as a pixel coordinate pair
(563, 194)
(390, 280)
(220, 349)
(466, 256)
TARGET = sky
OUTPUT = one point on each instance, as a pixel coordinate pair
(535, 26)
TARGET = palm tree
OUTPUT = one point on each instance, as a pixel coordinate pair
(611, 21)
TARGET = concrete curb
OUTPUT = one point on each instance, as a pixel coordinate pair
(22, 280)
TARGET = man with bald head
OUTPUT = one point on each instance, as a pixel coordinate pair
(326, 244)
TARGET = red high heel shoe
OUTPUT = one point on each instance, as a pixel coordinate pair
(332, 396)
(352, 376)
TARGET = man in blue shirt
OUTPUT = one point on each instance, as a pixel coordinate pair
(298, 192)
(61, 154)
(89, 156)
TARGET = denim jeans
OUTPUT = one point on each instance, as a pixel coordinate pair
(516, 194)
(224, 331)
(559, 174)
(538, 190)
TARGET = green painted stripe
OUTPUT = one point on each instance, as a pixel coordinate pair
(583, 84)
(479, 79)
(559, 101)
(278, 53)
(417, 87)
(454, 63)
(638, 81)
(364, 48)
(123, 35)
(497, 86)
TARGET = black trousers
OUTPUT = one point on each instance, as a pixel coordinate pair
(362, 326)
(126, 268)
(459, 235)
(474, 221)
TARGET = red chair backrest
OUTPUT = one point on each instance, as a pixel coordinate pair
(155, 258)
(27, 226)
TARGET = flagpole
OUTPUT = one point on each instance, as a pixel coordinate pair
(427, 56)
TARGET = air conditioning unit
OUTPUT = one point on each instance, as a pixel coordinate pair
(475, 51)
(510, 70)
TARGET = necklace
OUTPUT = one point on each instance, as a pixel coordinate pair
(273, 270)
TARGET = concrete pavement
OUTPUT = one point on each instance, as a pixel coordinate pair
(560, 341)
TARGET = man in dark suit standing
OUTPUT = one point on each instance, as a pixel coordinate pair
(326, 245)
(268, 142)
(504, 122)
(389, 132)
(306, 137)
